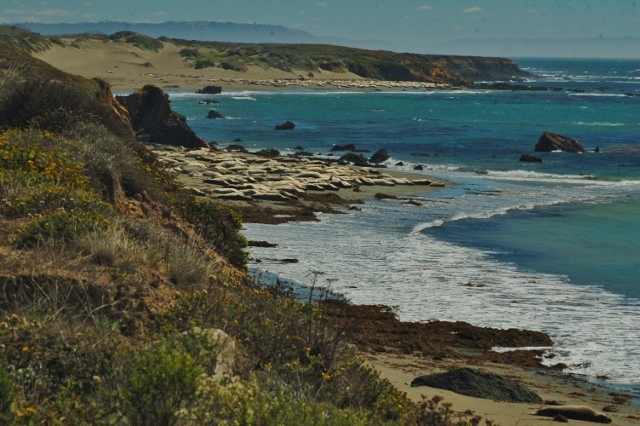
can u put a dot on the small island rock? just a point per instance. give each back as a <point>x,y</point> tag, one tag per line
<point>210,90</point>
<point>214,114</point>
<point>528,158</point>
<point>553,142</point>
<point>286,126</point>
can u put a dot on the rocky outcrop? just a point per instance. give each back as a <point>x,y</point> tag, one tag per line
<point>553,142</point>
<point>347,147</point>
<point>467,381</point>
<point>357,159</point>
<point>528,158</point>
<point>214,114</point>
<point>380,156</point>
<point>210,90</point>
<point>153,120</point>
<point>286,126</point>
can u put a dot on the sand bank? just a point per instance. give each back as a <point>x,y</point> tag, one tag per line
<point>128,68</point>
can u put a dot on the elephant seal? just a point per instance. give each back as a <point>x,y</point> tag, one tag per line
<point>575,412</point>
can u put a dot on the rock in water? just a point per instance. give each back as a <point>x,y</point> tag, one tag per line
<point>151,115</point>
<point>380,156</point>
<point>286,126</point>
<point>553,142</point>
<point>214,114</point>
<point>347,147</point>
<point>528,158</point>
<point>210,90</point>
<point>467,381</point>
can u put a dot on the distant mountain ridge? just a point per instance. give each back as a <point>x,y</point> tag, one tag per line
<point>204,31</point>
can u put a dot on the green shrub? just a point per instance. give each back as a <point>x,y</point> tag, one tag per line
<point>267,402</point>
<point>204,63</point>
<point>218,225</point>
<point>7,393</point>
<point>58,41</point>
<point>157,384</point>
<point>60,226</point>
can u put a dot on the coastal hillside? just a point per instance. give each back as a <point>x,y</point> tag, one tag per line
<point>128,55</point>
<point>126,299</point>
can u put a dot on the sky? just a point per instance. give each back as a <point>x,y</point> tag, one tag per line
<point>401,22</point>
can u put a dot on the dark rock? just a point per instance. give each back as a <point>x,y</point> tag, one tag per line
<point>467,381</point>
<point>553,142</point>
<point>399,163</point>
<point>214,114</point>
<point>347,147</point>
<point>264,244</point>
<point>210,90</point>
<point>356,159</point>
<point>269,152</point>
<point>237,140</point>
<point>151,115</point>
<point>383,196</point>
<point>380,156</point>
<point>238,148</point>
<point>516,87</point>
<point>209,102</point>
<point>299,148</point>
<point>528,158</point>
<point>286,126</point>
<point>418,167</point>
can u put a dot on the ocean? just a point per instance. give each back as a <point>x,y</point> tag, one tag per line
<point>549,246</point>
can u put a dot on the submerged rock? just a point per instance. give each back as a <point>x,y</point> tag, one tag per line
<point>553,142</point>
<point>467,381</point>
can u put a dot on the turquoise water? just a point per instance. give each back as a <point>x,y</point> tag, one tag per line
<point>552,246</point>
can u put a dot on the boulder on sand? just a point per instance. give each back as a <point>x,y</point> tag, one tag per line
<point>467,381</point>
<point>357,159</point>
<point>553,142</point>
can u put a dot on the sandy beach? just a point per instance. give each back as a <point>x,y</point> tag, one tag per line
<point>279,187</point>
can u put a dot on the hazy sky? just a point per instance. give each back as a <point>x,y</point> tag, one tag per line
<point>392,21</point>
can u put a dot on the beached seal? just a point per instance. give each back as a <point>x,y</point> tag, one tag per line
<point>575,412</point>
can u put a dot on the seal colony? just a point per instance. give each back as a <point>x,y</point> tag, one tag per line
<point>249,177</point>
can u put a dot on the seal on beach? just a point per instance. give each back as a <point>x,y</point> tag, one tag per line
<point>574,412</point>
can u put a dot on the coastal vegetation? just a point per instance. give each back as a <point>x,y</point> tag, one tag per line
<point>126,300</point>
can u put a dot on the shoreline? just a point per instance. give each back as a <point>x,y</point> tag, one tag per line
<point>400,367</point>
